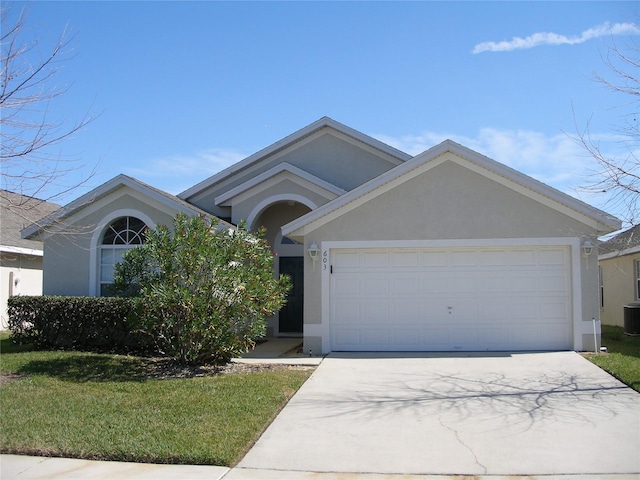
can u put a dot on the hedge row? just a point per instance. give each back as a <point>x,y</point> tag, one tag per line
<point>94,323</point>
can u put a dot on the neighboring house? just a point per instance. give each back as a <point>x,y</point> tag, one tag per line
<point>619,259</point>
<point>20,259</point>
<point>445,251</point>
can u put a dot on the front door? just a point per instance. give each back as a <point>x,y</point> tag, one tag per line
<point>291,313</point>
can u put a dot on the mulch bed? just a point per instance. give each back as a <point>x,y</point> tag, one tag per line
<point>160,368</point>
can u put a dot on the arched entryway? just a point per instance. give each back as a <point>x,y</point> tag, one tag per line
<point>289,261</point>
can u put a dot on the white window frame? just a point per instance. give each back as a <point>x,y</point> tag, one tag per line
<point>96,243</point>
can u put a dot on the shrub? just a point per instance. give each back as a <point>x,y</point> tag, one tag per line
<point>205,291</point>
<point>94,323</point>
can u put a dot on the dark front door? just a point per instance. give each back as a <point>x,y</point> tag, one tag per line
<point>291,313</point>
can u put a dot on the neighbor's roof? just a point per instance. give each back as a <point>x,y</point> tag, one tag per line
<point>16,212</point>
<point>624,243</point>
<point>105,189</point>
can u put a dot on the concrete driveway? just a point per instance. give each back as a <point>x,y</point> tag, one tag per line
<point>472,414</point>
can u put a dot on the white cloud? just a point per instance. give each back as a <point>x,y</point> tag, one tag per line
<point>549,38</point>
<point>176,173</point>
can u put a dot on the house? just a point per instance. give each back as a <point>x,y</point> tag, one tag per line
<point>20,259</point>
<point>445,251</point>
<point>619,260</point>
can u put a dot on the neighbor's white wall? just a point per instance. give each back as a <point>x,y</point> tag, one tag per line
<point>27,276</point>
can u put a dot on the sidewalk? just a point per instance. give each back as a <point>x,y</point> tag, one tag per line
<point>18,467</point>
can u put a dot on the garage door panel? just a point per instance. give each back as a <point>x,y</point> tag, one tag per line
<point>434,284</point>
<point>375,284</point>
<point>466,338</point>
<point>462,284</point>
<point>523,257</point>
<point>557,284</point>
<point>495,337</point>
<point>553,256</point>
<point>406,260</point>
<point>377,338</point>
<point>374,260</point>
<point>437,339</point>
<point>463,258</point>
<point>346,338</point>
<point>409,338</point>
<point>377,313</point>
<point>404,284</point>
<point>346,260</point>
<point>507,298</point>
<point>346,285</point>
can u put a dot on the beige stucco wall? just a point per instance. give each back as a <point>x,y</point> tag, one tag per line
<point>619,281</point>
<point>451,202</point>
<point>27,278</point>
<point>69,256</point>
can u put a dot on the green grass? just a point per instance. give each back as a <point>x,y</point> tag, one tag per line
<point>96,406</point>
<point>623,359</point>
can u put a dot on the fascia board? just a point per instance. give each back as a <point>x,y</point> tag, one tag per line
<point>620,253</point>
<point>222,200</point>
<point>21,251</point>
<point>433,157</point>
<point>286,143</point>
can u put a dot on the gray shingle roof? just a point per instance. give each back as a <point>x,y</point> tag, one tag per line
<point>18,211</point>
<point>628,239</point>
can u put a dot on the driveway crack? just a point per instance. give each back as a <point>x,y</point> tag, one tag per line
<point>462,442</point>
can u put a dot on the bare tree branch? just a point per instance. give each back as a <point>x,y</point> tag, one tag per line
<point>618,175</point>
<point>31,166</point>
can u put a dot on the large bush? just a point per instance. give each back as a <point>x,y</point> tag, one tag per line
<point>76,322</point>
<point>205,291</point>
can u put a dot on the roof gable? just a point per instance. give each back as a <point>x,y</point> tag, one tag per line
<point>325,125</point>
<point>451,151</point>
<point>275,175</point>
<point>88,200</point>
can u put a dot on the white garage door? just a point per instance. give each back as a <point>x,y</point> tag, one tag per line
<point>453,299</point>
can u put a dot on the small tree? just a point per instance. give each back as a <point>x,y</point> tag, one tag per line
<point>206,291</point>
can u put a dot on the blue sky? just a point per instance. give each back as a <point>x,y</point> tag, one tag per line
<point>181,90</point>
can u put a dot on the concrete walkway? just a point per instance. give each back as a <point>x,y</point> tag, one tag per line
<point>422,417</point>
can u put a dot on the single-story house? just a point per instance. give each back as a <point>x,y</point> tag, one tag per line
<point>619,259</point>
<point>20,259</point>
<point>445,251</point>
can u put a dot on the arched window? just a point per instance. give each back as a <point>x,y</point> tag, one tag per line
<point>121,235</point>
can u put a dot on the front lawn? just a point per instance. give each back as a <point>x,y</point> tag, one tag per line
<point>115,407</point>
<point>623,359</point>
